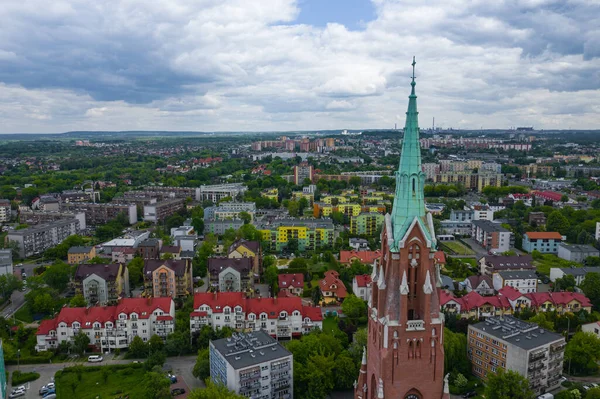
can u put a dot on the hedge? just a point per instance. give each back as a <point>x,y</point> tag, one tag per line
<point>20,378</point>
<point>42,357</point>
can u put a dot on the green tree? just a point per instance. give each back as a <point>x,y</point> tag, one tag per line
<point>213,391</point>
<point>246,217</point>
<point>80,342</point>
<point>136,271</point>
<point>293,208</point>
<point>558,222</point>
<point>156,386</point>
<point>354,307</point>
<point>156,358</point>
<point>593,393</point>
<point>345,372</point>
<point>9,283</point>
<point>155,343</point>
<point>315,379</point>
<point>302,205</point>
<point>566,283</point>
<point>137,348</point>
<point>507,385</point>
<point>542,320</point>
<point>591,288</point>
<point>271,275</point>
<point>78,301</point>
<point>338,217</point>
<point>202,367</point>
<point>582,353</point>
<point>455,353</point>
<point>58,276</point>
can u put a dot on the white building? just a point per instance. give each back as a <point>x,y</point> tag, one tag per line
<point>185,236</point>
<point>593,328</point>
<point>5,212</point>
<point>575,252</point>
<point>361,286</point>
<point>110,327</point>
<point>217,192</point>
<point>578,273</point>
<point>279,317</point>
<point>597,231</point>
<point>37,239</point>
<point>525,281</point>
<point>6,263</point>
<point>253,365</point>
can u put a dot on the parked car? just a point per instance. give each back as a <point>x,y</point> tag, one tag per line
<point>44,390</point>
<point>50,396</point>
<point>470,394</point>
<point>16,394</point>
<point>177,391</point>
<point>49,393</point>
<point>95,359</point>
<point>172,377</point>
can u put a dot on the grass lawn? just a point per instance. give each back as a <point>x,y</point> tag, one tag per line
<point>330,324</point>
<point>128,381</point>
<point>457,247</point>
<point>24,314</point>
<point>547,261</point>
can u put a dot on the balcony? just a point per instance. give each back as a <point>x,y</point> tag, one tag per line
<point>415,325</point>
<point>537,356</point>
<point>557,347</point>
<point>535,367</point>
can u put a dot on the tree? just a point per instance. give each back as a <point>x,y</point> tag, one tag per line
<point>212,391</point>
<point>57,276</point>
<point>155,343</point>
<point>293,208</point>
<point>156,358</point>
<point>246,217</point>
<point>455,352</point>
<point>345,372</point>
<point>593,393</point>
<point>507,385</point>
<point>157,386</point>
<point>354,307</point>
<point>80,342</point>
<point>202,367</point>
<point>78,301</point>
<point>582,353</point>
<point>9,283</point>
<point>354,181</point>
<point>541,319</point>
<point>271,276</point>
<point>138,348</point>
<point>136,271</point>
<point>591,288</point>
<point>178,343</point>
<point>566,283</point>
<point>338,217</point>
<point>558,222</point>
<point>302,205</point>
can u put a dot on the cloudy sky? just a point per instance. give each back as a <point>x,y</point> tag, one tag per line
<point>261,65</point>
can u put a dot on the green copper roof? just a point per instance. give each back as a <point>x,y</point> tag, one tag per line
<point>410,179</point>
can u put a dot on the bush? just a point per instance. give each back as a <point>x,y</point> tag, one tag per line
<point>20,378</point>
<point>40,358</point>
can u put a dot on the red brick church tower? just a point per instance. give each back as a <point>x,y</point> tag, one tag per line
<point>405,354</point>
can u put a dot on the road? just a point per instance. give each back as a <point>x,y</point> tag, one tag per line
<point>181,366</point>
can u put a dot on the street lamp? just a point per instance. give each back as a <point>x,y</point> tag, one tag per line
<point>18,358</point>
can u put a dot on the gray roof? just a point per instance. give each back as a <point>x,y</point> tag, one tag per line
<point>80,250</point>
<point>447,282</point>
<point>247,349</point>
<point>488,226</point>
<point>310,223</point>
<point>578,247</point>
<point>517,274</point>
<point>499,262</point>
<point>580,271</point>
<point>517,332</point>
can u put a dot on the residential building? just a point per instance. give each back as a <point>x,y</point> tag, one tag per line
<point>575,252</point>
<point>131,239</point>
<point>492,236</point>
<point>545,242</point>
<point>37,239</point>
<point>173,251</point>
<point>489,264</point>
<point>250,250</point>
<point>159,211</point>
<point>537,219</point>
<point>109,327</point>
<point>367,257</point>
<point>219,227</point>
<point>512,344</point>
<point>77,255</point>
<point>6,262</point>
<point>332,288</point>
<point>525,281</point>
<point>3,374</point>
<point>271,193</point>
<point>281,318</point>
<point>149,248</point>
<point>597,235</point>
<point>29,217</point>
<point>175,192</point>
<point>185,236</point>
<point>123,254</point>
<point>229,210</point>
<point>593,328</point>
<point>301,172</point>
<point>172,278</point>
<point>456,227</point>
<point>361,286</point>
<point>292,283</point>
<point>309,234</point>
<point>102,284</point>
<point>217,192</point>
<point>481,284</point>
<point>368,224</point>
<point>48,203</point>
<point>97,214</point>
<point>5,211</point>
<point>578,273</point>
<point>252,364</point>
<point>230,274</point>
<point>359,244</point>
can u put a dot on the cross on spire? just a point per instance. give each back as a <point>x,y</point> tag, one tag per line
<point>413,65</point>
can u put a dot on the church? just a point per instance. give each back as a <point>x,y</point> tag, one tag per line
<point>404,357</point>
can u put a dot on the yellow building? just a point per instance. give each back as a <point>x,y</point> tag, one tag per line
<point>296,195</point>
<point>309,234</point>
<point>247,249</point>
<point>271,193</point>
<point>335,198</point>
<point>77,255</point>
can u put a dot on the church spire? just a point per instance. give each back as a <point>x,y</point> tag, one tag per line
<point>410,179</point>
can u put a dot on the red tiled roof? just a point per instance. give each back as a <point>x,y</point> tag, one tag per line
<point>284,294</point>
<point>143,305</point>
<point>362,280</point>
<point>167,317</point>
<point>220,300</point>
<point>312,312</point>
<point>478,279</point>
<point>510,293</point>
<point>198,314</point>
<point>551,195</point>
<point>273,306</point>
<point>172,249</point>
<point>287,280</point>
<point>546,235</point>
<point>331,282</point>
<point>46,326</point>
<point>364,256</point>
<point>440,257</point>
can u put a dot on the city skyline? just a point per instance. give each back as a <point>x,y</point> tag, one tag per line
<point>291,65</point>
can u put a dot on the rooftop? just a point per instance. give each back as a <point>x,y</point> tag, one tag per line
<point>578,247</point>
<point>544,235</point>
<point>80,250</point>
<point>517,274</point>
<point>488,226</point>
<point>580,271</point>
<point>243,350</point>
<point>517,332</point>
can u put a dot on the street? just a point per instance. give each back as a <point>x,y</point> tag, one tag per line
<point>181,366</point>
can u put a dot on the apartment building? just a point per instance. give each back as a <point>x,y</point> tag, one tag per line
<point>512,344</point>
<point>102,284</point>
<point>219,227</point>
<point>229,210</point>
<point>253,365</point>
<point>77,255</point>
<point>490,264</point>
<point>216,192</point>
<point>6,263</point>
<point>578,273</point>
<point>230,274</point>
<point>29,217</point>
<point>492,236</point>
<point>545,242</point>
<point>37,239</point>
<point>301,172</point>
<point>99,214</point>
<point>110,327</point>
<point>525,281</point>
<point>168,278</point>
<point>575,252</point>
<point>308,233</point>
<point>149,248</point>
<point>368,224</point>
<point>5,212</point>
<point>281,318</point>
<point>174,192</point>
<point>185,236</point>
<point>159,211</point>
